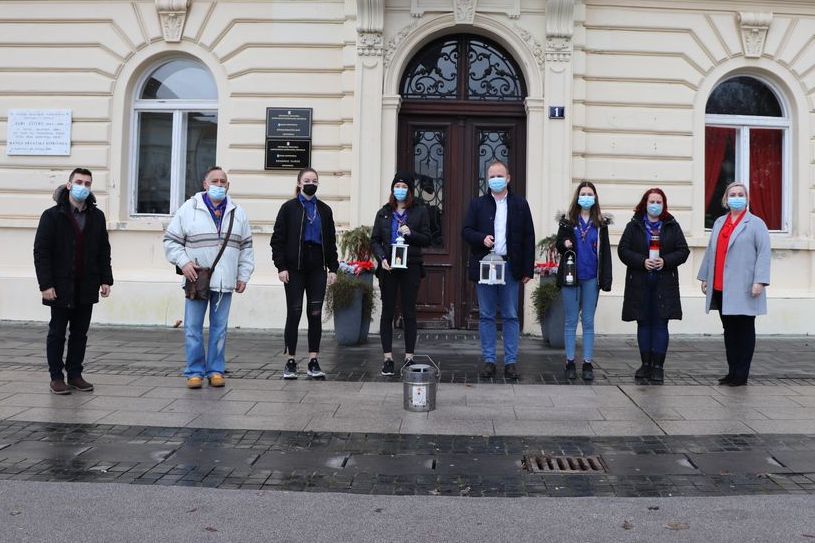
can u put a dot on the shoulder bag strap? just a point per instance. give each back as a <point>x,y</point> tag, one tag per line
<point>226,240</point>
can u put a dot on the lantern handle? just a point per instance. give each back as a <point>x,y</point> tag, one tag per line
<point>432,362</point>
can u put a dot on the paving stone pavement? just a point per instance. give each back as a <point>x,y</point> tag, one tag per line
<point>350,433</point>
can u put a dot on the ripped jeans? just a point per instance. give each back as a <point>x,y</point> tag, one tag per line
<point>200,364</point>
<point>313,283</point>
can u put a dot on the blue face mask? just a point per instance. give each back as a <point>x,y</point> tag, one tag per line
<point>655,210</point>
<point>586,202</point>
<point>80,193</point>
<point>216,193</point>
<point>736,203</point>
<point>400,193</point>
<point>498,184</point>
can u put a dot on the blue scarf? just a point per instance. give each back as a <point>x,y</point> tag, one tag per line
<point>313,231</point>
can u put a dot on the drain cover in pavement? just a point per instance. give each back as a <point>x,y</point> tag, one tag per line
<point>563,464</point>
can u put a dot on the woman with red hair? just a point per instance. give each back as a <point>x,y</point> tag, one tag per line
<point>652,247</point>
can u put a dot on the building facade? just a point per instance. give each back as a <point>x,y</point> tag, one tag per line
<point>629,94</point>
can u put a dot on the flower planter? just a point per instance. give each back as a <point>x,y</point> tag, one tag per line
<point>553,324</point>
<point>350,323</point>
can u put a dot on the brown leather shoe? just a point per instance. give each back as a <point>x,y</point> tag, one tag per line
<point>58,386</point>
<point>80,384</point>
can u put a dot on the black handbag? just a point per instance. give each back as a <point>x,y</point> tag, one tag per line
<point>199,289</point>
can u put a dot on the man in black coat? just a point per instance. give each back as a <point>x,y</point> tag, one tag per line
<point>72,260</point>
<point>500,222</point>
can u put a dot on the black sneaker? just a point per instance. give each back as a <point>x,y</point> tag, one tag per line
<point>511,371</point>
<point>314,370</point>
<point>408,362</point>
<point>570,370</point>
<point>487,371</point>
<point>290,371</point>
<point>387,368</point>
<point>587,372</point>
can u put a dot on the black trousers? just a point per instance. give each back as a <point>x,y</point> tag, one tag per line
<point>739,340</point>
<point>310,280</point>
<point>79,319</point>
<point>404,282</point>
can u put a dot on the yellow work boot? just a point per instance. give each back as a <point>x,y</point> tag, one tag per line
<point>195,382</point>
<point>216,380</point>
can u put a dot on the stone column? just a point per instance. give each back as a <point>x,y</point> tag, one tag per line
<point>558,83</point>
<point>367,143</point>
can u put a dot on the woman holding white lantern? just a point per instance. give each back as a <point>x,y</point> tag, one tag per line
<point>401,228</point>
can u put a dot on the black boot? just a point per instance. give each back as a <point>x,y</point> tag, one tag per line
<point>657,372</point>
<point>644,372</point>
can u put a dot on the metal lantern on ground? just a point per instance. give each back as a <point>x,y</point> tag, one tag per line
<point>492,268</point>
<point>399,253</point>
<point>420,382</point>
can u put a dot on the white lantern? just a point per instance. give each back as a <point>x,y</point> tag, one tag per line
<point>399,253</point>
<point>492,269</point>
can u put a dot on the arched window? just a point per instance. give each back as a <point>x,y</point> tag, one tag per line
<point>175,119</point>
<point>463,67</point>
<point>747,139</point>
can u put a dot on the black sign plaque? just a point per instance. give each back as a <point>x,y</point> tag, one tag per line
<point>287,154</point>
<point>288,123</point>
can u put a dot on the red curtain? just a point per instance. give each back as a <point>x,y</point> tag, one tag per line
<point>765,175</point>
<point>716,142</point>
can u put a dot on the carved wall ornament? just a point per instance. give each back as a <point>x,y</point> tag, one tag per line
<point>370,15</point>
<point>370,44</point>
<point>172,15</point>
<point>533,44</point>
<point>754,27</point>
<point>465,11</point>
<point>560,18</point>
<point>511,8</point>
<point>393,43</point>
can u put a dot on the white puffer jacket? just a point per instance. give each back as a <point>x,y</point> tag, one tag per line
<point>192,236</point>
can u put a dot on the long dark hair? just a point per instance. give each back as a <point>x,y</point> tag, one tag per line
<point>300,175</point>
<point>596,217</point>
<point>642,208</point>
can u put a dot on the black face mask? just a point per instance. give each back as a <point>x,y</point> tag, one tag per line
<point>309,190</point>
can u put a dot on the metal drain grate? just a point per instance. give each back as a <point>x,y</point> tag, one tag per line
<point>563,464</point>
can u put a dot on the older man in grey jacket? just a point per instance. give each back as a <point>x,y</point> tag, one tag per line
<point>734,274</point>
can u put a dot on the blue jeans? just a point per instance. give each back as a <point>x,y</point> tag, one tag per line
<point>200,364</point>
<point>652,331</point>
<point>582,300</point>
<point>503,299</point>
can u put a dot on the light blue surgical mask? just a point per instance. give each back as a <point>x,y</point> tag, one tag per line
<point>736,203</point>
<point>216,193</point>
<point>585,201</point>
<point>655,210</point>
<point>498,184</point>
<point>80,193</point>
<point>400,193</point>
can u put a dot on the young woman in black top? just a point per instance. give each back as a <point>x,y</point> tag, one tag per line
<point>401,216</point>
<point>304,250</point>
<point>652,247</point>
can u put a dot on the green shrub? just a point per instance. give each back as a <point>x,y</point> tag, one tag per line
<point>341,295</point>
<point>544,296</point>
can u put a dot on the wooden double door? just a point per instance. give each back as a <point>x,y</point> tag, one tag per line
<point>449,151</point>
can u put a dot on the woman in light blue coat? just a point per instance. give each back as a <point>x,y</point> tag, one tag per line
<point>734,274</point>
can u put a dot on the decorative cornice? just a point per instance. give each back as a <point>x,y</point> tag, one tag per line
<point>393,43</point>
<point>370,15</point>
<point>369,44</point>
<point>754,27</point>
<point>533,44</point>
<point>172,15</point>
<point>464,11</point>
<point>512,8</point>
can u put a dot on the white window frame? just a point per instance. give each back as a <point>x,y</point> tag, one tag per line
<point>178,152</point>
<point>743,124</point>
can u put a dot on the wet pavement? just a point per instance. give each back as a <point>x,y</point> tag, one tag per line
<point>350,433</point>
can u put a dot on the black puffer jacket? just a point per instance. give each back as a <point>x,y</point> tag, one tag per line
<point>54,253</point>
<point>565,232</point>
<point>289,229</point>
<point>418,221</point>
<point>633,251</point>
